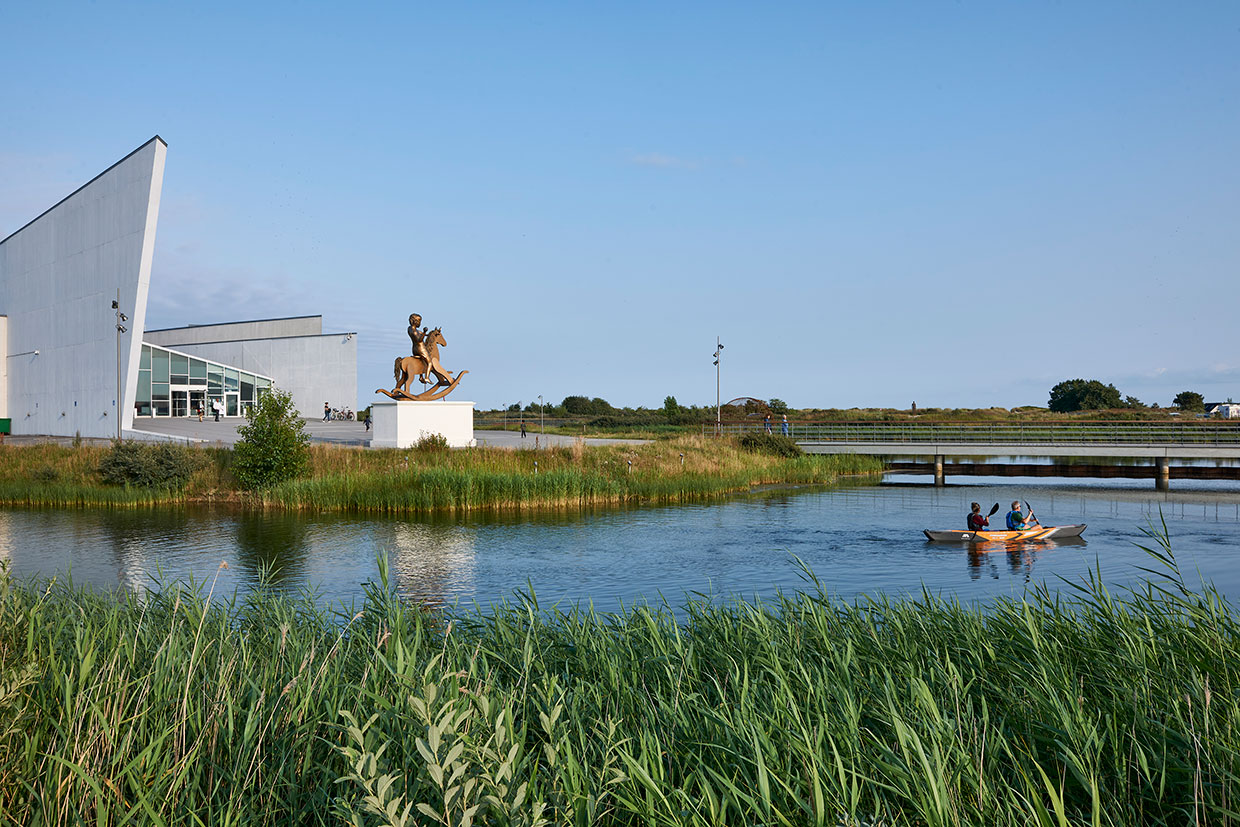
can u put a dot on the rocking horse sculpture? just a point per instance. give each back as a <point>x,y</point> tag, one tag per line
<point>424,363</point>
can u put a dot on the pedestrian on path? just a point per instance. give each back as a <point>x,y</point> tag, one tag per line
<point>766,423</point>
<point>367,420</point>
<point>783,425</point>
<point>523,427</point>
<point>218,407</point>
<point>200,412</point>
<point>327,412</point>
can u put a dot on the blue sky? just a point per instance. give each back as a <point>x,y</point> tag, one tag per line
<point>958,204</point>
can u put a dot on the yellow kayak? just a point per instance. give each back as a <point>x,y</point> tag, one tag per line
<point>1032,533</point>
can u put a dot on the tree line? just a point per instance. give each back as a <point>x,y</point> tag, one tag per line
<point>1092,395</point>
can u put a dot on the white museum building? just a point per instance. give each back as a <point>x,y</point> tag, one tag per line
<point>74,351</point>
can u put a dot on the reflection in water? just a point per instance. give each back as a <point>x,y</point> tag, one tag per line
<point>434,564</point>
<point>272,543</point>
<point>1020,556</point>
<point>6,538</point>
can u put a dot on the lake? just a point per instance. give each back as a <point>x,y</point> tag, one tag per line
<point>857,540</point>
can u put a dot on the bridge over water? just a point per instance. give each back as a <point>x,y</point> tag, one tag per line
<point>1078,449</point>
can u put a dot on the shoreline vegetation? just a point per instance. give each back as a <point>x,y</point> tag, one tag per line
<point>175,708</point>
<point>425,480</point>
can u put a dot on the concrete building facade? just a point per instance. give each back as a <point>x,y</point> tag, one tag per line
<point>59,275</point>
<point>65,353</point>
<point>315,367</point>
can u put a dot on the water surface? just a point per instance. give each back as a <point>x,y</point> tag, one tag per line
<point>857,540</point>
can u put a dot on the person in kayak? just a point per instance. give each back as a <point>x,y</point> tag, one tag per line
<point>977,520</point>
<point>1015,519</point>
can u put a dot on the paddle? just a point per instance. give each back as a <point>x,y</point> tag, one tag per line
<point>993,510</point>
<point>1032,519</point>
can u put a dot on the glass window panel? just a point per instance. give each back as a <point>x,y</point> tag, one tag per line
<point>232,381</point>
<point>180,379</point>
<point>144,361</point>
<point>160,399</point>
<point>159,365</point>
<point>180,363</point>
<point>247,387</point>
<point>215,379</point>
<point>263,384</point>
<point>144,389</point>
<point>197,370</point>
<point>232,404</point>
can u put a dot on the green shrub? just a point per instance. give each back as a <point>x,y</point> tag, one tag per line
<point>45,473</point>
<point>274,444</point>
<point>774,445</point>
<point>150,465</point>
<point>432,442</point>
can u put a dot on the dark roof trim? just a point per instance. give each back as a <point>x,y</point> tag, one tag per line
<point>246,321</point>
<point>84,186</point>
<point>256,339</point>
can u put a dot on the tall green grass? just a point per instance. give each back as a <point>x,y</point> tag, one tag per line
<point>563,477</point>
<point>1083,707</point>
<point>412,481</point>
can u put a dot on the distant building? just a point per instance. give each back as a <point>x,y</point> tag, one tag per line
<point>64,351</point>
<point>1226,410</point>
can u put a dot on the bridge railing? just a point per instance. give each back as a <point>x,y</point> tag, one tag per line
<point>1030,433</point>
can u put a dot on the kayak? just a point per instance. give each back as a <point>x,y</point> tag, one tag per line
<point>1035,533</point>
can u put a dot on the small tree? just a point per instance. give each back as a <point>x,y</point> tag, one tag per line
<point>273,445</point>
<point>1189,401</point>
<point>1083,395</point>
<point>671,408</point>
<point>778,406</point>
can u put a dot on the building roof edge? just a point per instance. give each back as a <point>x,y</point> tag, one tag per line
<point>84,186</point>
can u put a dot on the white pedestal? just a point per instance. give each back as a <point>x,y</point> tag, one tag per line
<point>401,424</point>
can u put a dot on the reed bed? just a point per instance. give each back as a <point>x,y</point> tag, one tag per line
<point>418,481</point>
<point>54,475</point>
<point>570,476</point>
<point>1083,707</point>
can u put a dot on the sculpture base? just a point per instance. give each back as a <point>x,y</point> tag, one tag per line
<point>402,424</point>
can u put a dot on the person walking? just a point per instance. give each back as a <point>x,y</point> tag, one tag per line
<point>523,427</point>
<point>766,423</point>
<point>200,412</point>
<point>783,425</point>
<point>367,420</point>
<point>327,412</point>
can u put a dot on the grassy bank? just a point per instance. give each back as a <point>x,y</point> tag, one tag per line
<point>357,480</point>
<point>1085,709</point>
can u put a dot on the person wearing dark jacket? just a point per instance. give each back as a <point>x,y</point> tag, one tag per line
<point>977,521</point>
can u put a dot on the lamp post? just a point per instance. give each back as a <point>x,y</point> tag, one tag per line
<point>718,408</point>
<point>120,328</point>
<point>541,426</point>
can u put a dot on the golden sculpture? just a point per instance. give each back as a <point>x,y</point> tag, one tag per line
<point>424,363</point>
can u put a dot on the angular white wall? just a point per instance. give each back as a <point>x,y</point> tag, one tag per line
<point>58,277</point>
<point>4,367</point>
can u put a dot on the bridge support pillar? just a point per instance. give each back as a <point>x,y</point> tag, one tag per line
<point>939,478</point>
<point>1163,481</point>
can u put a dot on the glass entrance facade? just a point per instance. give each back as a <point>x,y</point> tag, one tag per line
<point>176,384</point>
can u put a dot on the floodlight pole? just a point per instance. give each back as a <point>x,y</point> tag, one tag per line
<point>120,328</point>
<point>718,407</point>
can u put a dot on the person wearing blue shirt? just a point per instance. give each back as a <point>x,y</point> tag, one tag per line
<point>1015,519</point>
